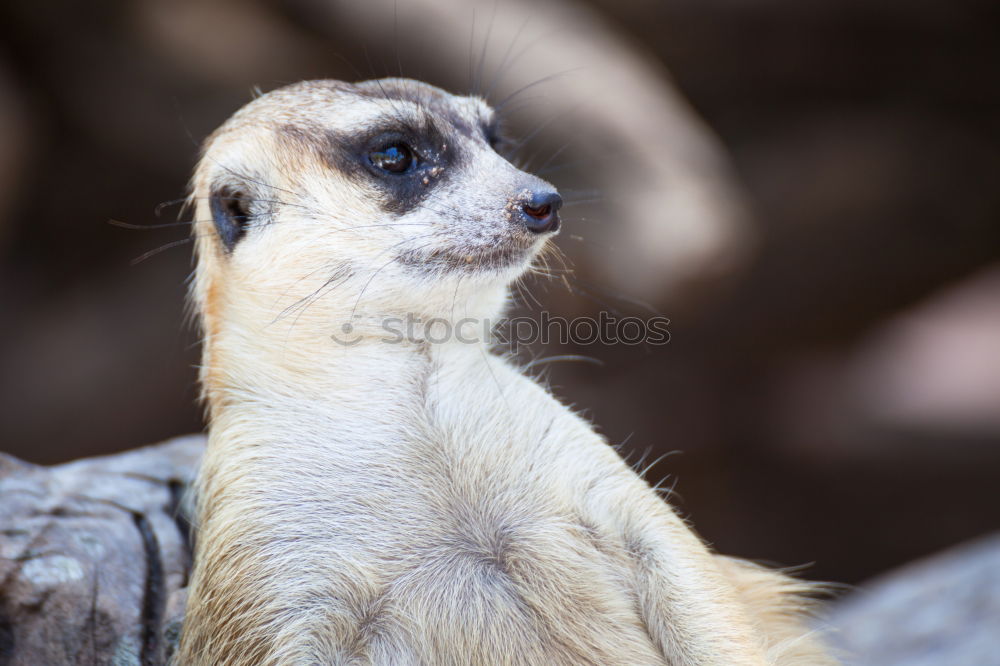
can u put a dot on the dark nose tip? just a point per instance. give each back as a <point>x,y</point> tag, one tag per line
<point>541,212</point>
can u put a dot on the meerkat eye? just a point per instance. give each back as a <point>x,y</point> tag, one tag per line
<point>231,215</point>
<point>491,132</point>
<point>397,158</point>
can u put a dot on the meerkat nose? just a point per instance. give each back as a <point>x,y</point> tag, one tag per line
<point>541,212</point>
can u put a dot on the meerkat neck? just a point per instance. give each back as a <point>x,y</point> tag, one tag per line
<point>366,357</point>
<point>307,349</point>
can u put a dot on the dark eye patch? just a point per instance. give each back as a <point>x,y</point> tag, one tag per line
<point>404,162</point>
<point>230,214</point>
<point>434,152</point>
<point>494,136</point>
<point>385,148</point>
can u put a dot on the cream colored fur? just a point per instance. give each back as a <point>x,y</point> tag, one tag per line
<point>418,503</point>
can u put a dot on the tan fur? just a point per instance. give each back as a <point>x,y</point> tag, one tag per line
<point>419,502</point>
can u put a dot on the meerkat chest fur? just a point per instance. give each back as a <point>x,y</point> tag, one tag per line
<point>373,495</point>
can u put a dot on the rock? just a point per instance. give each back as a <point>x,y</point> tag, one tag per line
<point>941,611</point>
<point>94,555</point>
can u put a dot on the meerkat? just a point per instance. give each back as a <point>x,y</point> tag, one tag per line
<point>402,501</point>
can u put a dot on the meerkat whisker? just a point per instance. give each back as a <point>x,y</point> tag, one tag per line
<point>504,65</point>
<point>499,106</point>
<point>129,225</point>
<point>155,251</point>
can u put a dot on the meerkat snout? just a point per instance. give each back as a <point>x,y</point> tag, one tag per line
<point>541,212</point>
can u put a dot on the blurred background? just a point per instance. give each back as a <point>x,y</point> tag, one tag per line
<point>810,191</point>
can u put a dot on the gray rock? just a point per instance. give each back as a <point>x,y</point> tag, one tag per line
<point>941,611</point>
<point>93,555</point>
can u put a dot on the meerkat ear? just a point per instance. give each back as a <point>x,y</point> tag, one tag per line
<point>231,215</point>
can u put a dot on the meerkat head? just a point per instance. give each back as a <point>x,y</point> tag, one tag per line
<point>386,196</point>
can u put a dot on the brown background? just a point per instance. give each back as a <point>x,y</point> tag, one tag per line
<point>834,400</point>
